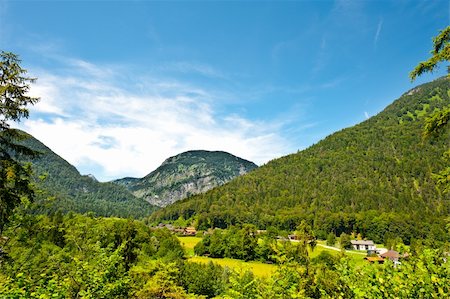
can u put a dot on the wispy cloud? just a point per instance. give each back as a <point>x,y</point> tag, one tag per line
<point>366,115</point>
<point>111,129</point>
<point>377,33</point>
<point>194,67</point>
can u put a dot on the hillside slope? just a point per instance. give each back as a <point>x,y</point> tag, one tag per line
<point>187,174</point>
<point>74,192</point>
<point>373,178</point>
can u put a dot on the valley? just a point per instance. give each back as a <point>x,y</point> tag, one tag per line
<point>362,211</point>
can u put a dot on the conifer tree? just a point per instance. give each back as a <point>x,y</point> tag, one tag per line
<point>14,177</point>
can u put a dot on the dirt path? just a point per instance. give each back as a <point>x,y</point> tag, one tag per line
<point>337,249</point>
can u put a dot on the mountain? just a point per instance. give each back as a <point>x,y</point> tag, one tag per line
<point>79,193</point>
<point>374,178</point>
<point>187,174</point>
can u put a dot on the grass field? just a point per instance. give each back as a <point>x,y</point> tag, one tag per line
<point>258,268</point>
<point>188,244</point>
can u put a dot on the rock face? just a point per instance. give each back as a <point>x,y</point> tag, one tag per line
<point>187,174</point>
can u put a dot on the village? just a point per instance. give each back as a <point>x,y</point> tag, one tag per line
<point>374,254</point>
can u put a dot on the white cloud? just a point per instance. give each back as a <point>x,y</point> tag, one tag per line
<point>366,115</point>
<point>377,33</point>
<point>86,117</point>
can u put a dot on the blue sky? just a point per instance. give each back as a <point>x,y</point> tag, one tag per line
<point>126,84</point>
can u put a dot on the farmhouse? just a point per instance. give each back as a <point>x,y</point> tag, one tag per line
<point>363,245</point>
<point>392,255</point>
<point>189,231</point>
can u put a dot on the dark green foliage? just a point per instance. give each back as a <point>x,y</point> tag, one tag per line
<point>187,174</point>
<point>232,243</point>
<point>74,192</point>
<point>331,239</point>
<point>244,244</point>
<point>208,280</point>
<point>435,124</point>
<point>15,185</point>
<point>426,275</point>
<point>344,241</point>
<point>77,256</point>
<point>373,178</point>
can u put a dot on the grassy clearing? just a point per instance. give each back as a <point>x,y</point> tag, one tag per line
<point>258,268</point>
<point>356,256</point>
<point>188,244</point>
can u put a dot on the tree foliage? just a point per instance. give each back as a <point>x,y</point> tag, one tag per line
<point>436,122</point>
<point>440,53</point>
<point>76,256</point>
<point>15,185</point>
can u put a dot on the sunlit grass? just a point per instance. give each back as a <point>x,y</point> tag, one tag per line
<point>188,244</point>
<point>258,268</point>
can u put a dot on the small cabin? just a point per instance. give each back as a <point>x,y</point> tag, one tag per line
<point>391,255</point>
<point>190,231</point>
<point>363,245</point>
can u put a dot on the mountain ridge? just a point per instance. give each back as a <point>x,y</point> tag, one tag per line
<point>78,193</point>
<point>373,178</point>
<point>185,174</point>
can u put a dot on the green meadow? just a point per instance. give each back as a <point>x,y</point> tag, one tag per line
<point>260,269</point>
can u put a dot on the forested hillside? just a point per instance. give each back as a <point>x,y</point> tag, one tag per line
<point>374,178</point>
<point>73,192</point>
<point>187,174</point>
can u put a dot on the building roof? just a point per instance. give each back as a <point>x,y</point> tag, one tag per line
<point>362,242</point>
<point>390,254</point>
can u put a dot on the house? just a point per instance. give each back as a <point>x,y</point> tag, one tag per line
<point>190,231</point>
<point>391,255</point>
<point>363,245</point>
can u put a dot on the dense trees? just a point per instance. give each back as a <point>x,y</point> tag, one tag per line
<point>243,243</point>
<point>436,123</point>
<point>233,243</point>
<point>75,256</point>
<point>15,185</point>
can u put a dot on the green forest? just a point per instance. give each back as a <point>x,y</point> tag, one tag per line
<point>375,178</point>
<point>75,256</point>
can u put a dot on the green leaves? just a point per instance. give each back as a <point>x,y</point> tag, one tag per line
<point>14,86</point>
<point>440,53</point>
<point>436,122</point>
<point>14,177</point>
